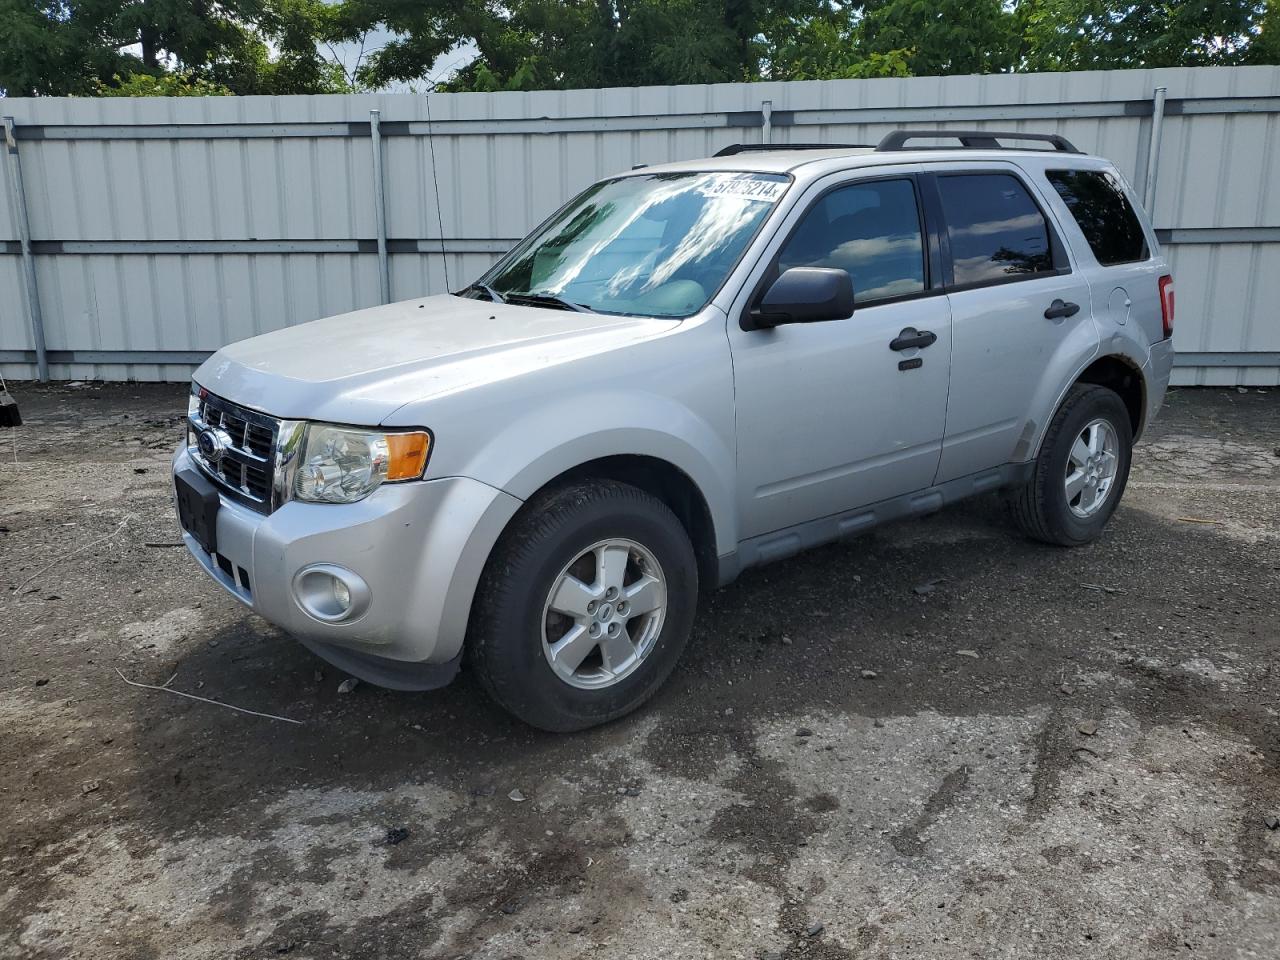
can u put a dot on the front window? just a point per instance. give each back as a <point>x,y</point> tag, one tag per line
<point>653,244</point>
<point>870,230</point>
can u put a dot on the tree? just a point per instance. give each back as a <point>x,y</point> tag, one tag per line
<point>80,47</point>
<point>88,47</point>
<point>161,85</point>
<point>942,37</point>
<point>51,48</point>
<point>422,31</point>
<point>1109,35</point>
<point>1265,47</point>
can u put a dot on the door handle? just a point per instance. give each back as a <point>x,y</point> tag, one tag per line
<point>1061,308</point>
<point>911,337</point>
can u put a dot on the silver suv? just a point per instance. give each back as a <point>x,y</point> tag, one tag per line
<point>687,370</point>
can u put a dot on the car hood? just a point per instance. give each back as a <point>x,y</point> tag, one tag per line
<point>360,367</point>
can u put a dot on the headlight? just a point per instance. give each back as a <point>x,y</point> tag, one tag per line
<point>343,465</point>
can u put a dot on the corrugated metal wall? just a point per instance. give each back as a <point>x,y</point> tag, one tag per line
<point>162,229</point>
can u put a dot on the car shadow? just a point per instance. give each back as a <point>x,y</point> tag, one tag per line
<point>873,627</point>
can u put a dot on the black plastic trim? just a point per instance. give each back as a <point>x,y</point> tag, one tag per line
<point>383,671</point>
<point>733,149</point>
<point>971,140</point>
<point>788,541</point>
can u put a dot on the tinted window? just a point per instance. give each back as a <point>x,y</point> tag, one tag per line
<point>996,230</point>
<point>870,230</point>
<point>1105,216</point>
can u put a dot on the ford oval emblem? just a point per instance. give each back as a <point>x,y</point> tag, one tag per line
<point>211,444</point>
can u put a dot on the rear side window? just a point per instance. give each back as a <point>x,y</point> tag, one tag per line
<point>870,230</point>
<point>995,229</point>
<point>1104,214</point>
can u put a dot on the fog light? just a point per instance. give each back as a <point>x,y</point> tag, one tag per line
<point>341,595</point>
<point>331,593</point>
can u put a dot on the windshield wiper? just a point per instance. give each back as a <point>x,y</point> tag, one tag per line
<point>487,290</point>
<point>545,300</point>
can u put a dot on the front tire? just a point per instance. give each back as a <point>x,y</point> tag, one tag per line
<point>584,607</point>
<point>1081,471</point>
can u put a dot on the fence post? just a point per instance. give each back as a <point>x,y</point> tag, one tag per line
<point>766,117</point>
<point>1153,151</point>
<point>19,197</point>
<point>379,206</point>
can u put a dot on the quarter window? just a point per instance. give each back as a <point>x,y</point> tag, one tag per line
<point>1104,214</point>
<point>995,229</point>
<point>872,231</point>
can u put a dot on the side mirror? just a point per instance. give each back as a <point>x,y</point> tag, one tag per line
<point>805,295</point>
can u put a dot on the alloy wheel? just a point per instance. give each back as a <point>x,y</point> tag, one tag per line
<point>1091,468</point>
<point>604,613</point>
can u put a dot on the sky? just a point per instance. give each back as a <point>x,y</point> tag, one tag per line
<point>348,54</point>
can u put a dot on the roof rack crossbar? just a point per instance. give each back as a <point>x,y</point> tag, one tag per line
<point>971,139</point>
<point>736,148</point>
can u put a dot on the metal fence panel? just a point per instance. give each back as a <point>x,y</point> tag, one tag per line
<point>164,228</point>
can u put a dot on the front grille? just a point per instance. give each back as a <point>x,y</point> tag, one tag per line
<point>245,466</point>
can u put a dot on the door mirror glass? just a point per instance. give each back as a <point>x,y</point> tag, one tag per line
<point>806,295</point>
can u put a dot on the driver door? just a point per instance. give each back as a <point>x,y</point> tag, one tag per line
<point>830,417</point>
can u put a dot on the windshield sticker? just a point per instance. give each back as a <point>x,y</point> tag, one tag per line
<point>746,188</point>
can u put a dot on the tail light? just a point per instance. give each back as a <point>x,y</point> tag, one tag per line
<point>1166,304</point>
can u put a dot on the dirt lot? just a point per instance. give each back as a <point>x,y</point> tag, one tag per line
<point>1066,754</point>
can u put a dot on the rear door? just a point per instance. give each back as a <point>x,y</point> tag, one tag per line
<point>1018,305</point>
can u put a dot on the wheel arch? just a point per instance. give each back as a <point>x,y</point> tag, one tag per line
<point>1118,372</point>
<point>662,479</point>
<point>1124,377</point>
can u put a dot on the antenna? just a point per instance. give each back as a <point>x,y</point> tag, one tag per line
<point>435,182</point>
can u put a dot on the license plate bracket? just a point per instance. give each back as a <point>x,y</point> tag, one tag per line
<point>197,508</point>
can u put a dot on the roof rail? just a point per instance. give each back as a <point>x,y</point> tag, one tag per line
<point>971,139</point>
<point>735,148</point>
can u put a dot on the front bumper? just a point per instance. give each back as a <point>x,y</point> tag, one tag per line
<point>419,546</point>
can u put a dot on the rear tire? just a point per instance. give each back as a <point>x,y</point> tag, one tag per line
<point>1081,472</point>
<point>599,546</point>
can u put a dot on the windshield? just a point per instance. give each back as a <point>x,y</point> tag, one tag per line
<point>655,245</point>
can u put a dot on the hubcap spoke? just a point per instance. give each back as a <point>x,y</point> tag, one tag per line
<point>572,596</point>
<point>1088,497</point>
<point>1095,437</point>
<point>1075,483</point>
<point>644,596</point>
<point>1080,452</point>
<point>617,651</point>
<point>569,652</point>
<point>611,565</point>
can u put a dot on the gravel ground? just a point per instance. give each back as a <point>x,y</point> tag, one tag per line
<point>937,741</point>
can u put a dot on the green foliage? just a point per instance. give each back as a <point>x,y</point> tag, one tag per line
<point>54,49</point>
<point>196,47</point>
<point>161,85</point>
<point>943,37</point>
<point>88,47</point>
<point>1265,47</point>
<point>1109,35</point>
